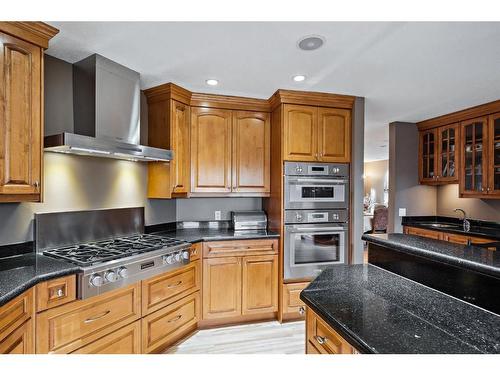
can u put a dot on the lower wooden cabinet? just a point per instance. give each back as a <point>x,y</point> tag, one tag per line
<point>449,237</point>
<point>424,233</point>
<point>322,339</point>
<point>259,286</point>
<point>126,340</point>
<point>67,328</point>
<point>164,327</point>
<point>20,341</point>
<point>16,325</point>
<point>292,306</point>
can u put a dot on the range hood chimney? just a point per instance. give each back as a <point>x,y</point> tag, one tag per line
<point>106,112</point>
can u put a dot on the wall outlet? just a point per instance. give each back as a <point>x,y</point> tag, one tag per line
<point>402,212</point>
<point>217,215</point>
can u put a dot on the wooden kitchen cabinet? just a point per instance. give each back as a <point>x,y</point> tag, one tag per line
<point>449,237</point>
<point>55,292</point>
<point>16,325</point>
<point>493,164</point>
<point>292,305</point>
<point>19,341</point>
<point>322,339</point>
<point>210,150</point>
<point>259,286</point>
<point>251,136</point>
<point>435,235</point>
<point>448,153</point>
<point>316,134</point>
<point>474,146</point>
<point>427,165</point>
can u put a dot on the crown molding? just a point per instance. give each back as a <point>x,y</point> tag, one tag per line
<point>38,33</point>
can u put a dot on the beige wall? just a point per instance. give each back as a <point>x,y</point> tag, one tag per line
<point>376,179</point>
<point>482,209</point>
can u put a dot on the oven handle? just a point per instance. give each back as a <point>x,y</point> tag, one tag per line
<point>320,229</point>
<point>295,180</point>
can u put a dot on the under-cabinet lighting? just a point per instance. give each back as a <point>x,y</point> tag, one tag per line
<point>90,150</point>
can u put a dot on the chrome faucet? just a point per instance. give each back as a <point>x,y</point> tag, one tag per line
<point>466,222</point>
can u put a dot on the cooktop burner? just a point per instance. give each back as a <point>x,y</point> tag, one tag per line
<point>101,251</point>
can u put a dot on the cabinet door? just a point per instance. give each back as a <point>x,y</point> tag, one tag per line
<point>494,159</point>
<point>20,119</point>
<point>179,120</point>
<point>251,149</point>
<point>334,135</point>
<point>427,156</point>
<point>260,284</point>
<point>20,341</point>
<point>448,151</point>
<point>473,171</point>
<point>300,133</point>
<point>221,287</point>
<point>210,150</point>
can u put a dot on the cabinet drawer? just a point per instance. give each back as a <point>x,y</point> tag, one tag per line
<point>323,338</point>
<point>69,327</point>
<point>56,292</point>
<point>15,313</point>
<point>239,248</point>
<point>160,291</point>
<point>163,327</point>
<point>20,341</point>
<point>291,299</point>
<point>424,233</point>
<point>126,340</point>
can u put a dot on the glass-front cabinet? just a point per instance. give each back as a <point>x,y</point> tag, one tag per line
<point>447,153</point>
<point>427,151</point>
<point>494,154</point>
<point>474,146</point>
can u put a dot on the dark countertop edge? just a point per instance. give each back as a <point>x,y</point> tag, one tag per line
<point>205,238</point>
<point>450,260</point>
<point>16,292</point>
<point>346,334</point>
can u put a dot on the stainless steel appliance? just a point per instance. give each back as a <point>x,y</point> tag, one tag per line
<point>115,252</point>
<point>316,218</point>
<point>106,97</point>
<point>249,220</point>
<point>316,185</point>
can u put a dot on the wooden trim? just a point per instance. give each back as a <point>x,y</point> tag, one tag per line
<point>462,115</point>
<point>229,102</point>
<point>217,249</point>
<point>312,98</point>
<point>168,91</point>
<point>38,33</point>
<point>236,320</point>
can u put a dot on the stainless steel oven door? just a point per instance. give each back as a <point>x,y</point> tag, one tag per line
<point>310,248</point>
<point>314,192</point>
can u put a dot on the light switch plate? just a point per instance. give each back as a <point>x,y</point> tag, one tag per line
<point>217,215</point>
<point>402,212</point>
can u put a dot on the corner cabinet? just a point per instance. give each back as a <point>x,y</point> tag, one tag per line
<point>316,134</point>
<point>21,109</point>
<point>230,152</point>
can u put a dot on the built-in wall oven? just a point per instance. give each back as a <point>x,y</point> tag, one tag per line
<point>316,218</point>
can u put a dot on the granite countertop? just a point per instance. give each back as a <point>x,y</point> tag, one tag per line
<point>21,272</point>
<point>380,312</point>
<point>463,256</point>
<point>194,235</point>
<point>479,228</point>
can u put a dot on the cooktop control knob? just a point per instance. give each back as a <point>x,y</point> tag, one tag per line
<point>185,255</point>
<point>96,280</point>
<point>122,272</point>
<point>299,217</point>
<point>298,169</point>
<point>170,259</point>
<point>110,276</point>
<point>178,257</point>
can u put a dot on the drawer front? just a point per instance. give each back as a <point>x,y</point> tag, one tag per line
<point>163,327</point>
<point>19,341</point>
<point>56,292</point>
<point>126,340</point>
<point>239,248</point>
<point>195,251</point>
<point>162,290</point>
<point>424,233</point>
<point>69,327</point>
<point>323,338</point>
<point>15,313</point>
<point>291,298</point>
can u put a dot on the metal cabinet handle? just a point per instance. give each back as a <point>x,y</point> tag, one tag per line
<point>59,293</point>
<point>302,310</point>
<point>321,340</point>
<point>90,320</point>
<point>174,285</point>
<point>36,184</point>
<point>175,319</point>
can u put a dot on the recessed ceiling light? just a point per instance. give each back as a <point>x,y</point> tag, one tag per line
<point>311,42</point>
<point>212,82</point>
<point>299,78</point>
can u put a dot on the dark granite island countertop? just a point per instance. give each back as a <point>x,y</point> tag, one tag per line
<point>380,312</point>
<point>194,235</point>
<point>19,273</point>
<point>462,256</point>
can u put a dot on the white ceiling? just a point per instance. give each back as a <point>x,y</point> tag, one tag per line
<point>406,71</point>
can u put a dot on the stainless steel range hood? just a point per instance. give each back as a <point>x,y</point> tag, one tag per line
<point>106,112</point>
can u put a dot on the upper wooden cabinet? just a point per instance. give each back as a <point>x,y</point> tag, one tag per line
<point>21,109</point>
<point>494,155</point>
<point>169,128</point>
<point>474,146</point>
<point>210,150</point>
<point>316,134</point>
<point>251,149</point>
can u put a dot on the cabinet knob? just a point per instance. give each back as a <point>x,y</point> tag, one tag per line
<point>59,293</point>
<point>321,340</point>
<point>302,310</point>
<point>36,184</point>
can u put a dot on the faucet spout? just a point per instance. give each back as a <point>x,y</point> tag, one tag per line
<point>466,223</point>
